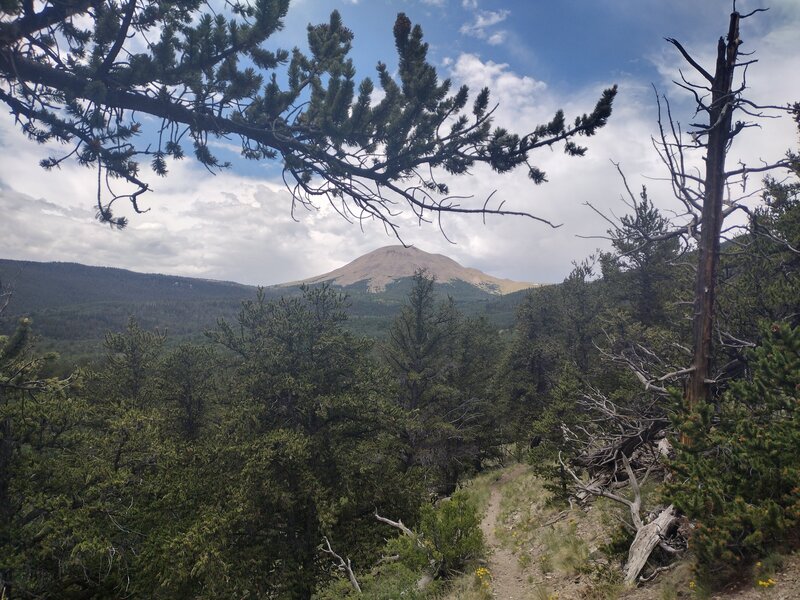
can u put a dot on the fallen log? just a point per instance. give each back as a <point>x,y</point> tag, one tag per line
<point>648,535</point>
<point>647,538</point>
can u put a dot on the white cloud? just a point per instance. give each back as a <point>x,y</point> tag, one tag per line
<point>469,4</point>
<point>514,92</point>
<point>240,228</point>
<point>497,38</point>
<point>483,21</point>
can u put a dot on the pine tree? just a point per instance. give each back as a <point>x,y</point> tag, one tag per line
<point>39,471</point>
<point>77,72</point>
<point>313,445</point>
<point>644,252</point>
<point>740,477</point>
<point>438,359</point>
<point>762,269</point>
<point>189,385</point>
<point>421,343</point>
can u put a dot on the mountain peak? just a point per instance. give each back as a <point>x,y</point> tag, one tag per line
<point>390,263</point>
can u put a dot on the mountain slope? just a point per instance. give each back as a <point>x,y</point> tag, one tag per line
<point>38,286</point>
<point>73,306</point>
<point>391,263</point>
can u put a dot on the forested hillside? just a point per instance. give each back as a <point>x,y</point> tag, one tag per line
<point>309,433</point>
<point>74,306</point>
<point>40,286</point>
<point>631,432</point>
<point>248,463</point>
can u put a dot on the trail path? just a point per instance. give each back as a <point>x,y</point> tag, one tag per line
<point>508,580</point>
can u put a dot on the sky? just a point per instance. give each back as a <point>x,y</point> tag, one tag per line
<point>535,56</point>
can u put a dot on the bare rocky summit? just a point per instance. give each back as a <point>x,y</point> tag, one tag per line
<point>388,264</point>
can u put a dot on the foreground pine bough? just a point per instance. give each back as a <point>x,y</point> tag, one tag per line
<point>80,72</point>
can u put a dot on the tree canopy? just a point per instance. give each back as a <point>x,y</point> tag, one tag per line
<point>87,73</point>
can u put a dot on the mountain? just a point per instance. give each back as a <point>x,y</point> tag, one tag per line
<point>73,306</point>
<point>37,286</point>
<point>392,263</point>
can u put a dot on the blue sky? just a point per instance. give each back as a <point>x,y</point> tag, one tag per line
<point>536,56</point>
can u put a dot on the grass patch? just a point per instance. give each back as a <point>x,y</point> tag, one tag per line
<point>678,583</point>
<point>523,510</point>
<point>387,582</point>
<point>540,592</point>
<point>471,586</point>
<point>567,551</point>
<point>479,488</point>
<point>765,571</point>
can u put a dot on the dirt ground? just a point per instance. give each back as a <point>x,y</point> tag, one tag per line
<point>508,579</point>
<point>517,579</point>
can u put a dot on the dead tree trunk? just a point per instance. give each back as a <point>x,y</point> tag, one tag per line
<point>719,135</point>
<point>708,197</point>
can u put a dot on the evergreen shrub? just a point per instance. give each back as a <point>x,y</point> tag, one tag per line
<point>737,474</point>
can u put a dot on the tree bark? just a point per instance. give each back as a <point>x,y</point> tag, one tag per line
<point>719,135</point>
<point>647,538</point>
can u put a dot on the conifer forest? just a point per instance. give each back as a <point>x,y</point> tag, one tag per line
<point>630,432</point>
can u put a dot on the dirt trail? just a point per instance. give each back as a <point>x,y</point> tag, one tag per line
<point>508,580</point>
<point>511,582</point>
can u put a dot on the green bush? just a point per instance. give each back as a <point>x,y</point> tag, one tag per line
<point>740,475</point>
<point>453,528</point>
<point>389,581</point>
<point>449,537</point>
